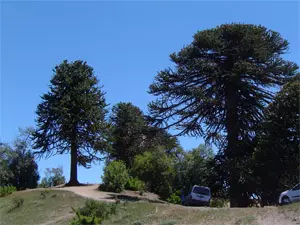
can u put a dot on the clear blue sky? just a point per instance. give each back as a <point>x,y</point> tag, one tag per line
<point>125,42</point>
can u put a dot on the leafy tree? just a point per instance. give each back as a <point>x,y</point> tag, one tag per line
<point>193,169</point>
<point>277,157</point>
<point>156,170</point>
<point>17,165</point>
<point>71,116</point>
<point>115,177</point>
<point>220,86</point>
<point>53,177</point>
<point>5,159</point>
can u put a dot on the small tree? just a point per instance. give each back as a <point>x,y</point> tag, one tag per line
<point>115,176</point>
<point>71,117</point>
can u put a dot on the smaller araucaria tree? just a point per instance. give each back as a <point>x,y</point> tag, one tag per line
<point>71,116</point>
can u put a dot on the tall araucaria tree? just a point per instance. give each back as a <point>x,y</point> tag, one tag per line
<point>71,116</point>
<point>220,86</point>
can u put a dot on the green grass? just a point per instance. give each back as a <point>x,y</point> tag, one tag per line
<point>55,208</point>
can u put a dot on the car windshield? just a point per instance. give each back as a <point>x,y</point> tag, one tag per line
<point>297,187</point>
<point>201,190</point>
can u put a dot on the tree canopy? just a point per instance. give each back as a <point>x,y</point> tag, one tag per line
<point>71,116</point>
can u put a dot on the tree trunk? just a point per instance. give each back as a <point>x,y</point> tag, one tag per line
<point>232,141</point>
<point>73,170</point>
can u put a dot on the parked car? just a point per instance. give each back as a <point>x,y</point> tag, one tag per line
<point>290,196</point>
<point>198,196</point>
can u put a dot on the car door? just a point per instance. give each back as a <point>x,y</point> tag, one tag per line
<point>295,193</point>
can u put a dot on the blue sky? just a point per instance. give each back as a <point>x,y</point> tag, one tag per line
<point>126,43</point>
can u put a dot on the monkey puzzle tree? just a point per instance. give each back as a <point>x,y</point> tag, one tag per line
<point>220,86</point>
<point>71,116</point>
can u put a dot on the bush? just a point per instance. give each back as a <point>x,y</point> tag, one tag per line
<point>156,170</point>
<point>218,202</point>
<point>174,198</point>
<point>115,177</point>
<point>135,184</point>
<point>93,212</point>
<point>7,190</point>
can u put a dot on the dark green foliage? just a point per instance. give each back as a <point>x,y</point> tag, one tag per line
<point>220,87</point>
<point>17,202</point>
<point>7,190</point>
<point>174,198</point>
<point>132,135</point>
<point>277,156</point>
<point>156,170</point>
<point>71,116</point>
<point>128,128</point>
<point>53,177</point>
<point>17,164</point>
<point>135,184</point>
<point>93,212</point>
<point>115,177</point>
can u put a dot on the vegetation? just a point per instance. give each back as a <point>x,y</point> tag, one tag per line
<point>220,87</point>
<point>93,212</point>
<point>7,190</point>
<point>71,117</point>
<point>37,210</point>
<point>174,198</point>
<point>115,177</point>
<point>58,211</point>
<point>223,88</point>
<point>53,177</point>
<point>135,184</point>
<point>128,127</point>
<point>17,164</point>
<point>277,156</point>
<point>156,170</point>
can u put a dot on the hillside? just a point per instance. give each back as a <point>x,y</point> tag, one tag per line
<point>55,208</point>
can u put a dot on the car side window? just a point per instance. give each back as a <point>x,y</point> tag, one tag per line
<point>296,188</point>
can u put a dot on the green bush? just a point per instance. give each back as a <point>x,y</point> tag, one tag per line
<point>135,184</point>
<point>218,202</point>
<point>93,212</point>
<point>7,190</point>
<point>156,170</point>
<point>174,198</point>
<point>115,177</point>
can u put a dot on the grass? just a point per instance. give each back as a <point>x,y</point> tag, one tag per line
<point>54,207</point>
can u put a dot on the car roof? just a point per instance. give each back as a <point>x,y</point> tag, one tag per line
<point>201,187</point>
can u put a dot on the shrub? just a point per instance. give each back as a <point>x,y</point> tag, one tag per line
<point>218,202</point>
<point>174,198</point>
<point>135,184</point>
<point>7,190</point>
<point>115,177</point>
<point>93,212</point>
<point>156,170</point>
